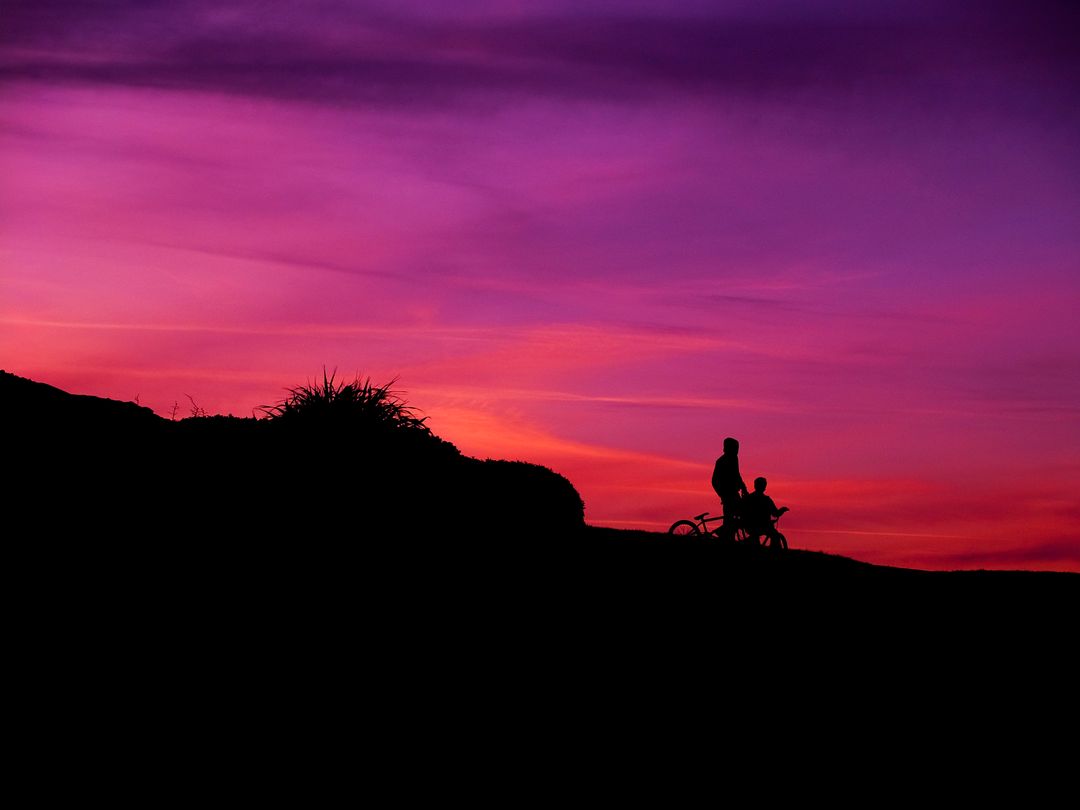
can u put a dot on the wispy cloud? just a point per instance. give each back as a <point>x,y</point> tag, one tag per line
<point>361,53</point>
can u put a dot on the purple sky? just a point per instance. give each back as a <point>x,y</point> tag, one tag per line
<point>600,236</point>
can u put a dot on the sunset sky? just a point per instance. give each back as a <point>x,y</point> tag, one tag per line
<point>600,236</point>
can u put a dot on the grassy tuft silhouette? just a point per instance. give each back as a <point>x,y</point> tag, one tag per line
<point>359,403</point>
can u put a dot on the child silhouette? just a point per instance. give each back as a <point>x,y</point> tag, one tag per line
<point>758,510</point>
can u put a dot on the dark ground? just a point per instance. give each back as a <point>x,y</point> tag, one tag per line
<point>223,514</point>
<point>215,596</point>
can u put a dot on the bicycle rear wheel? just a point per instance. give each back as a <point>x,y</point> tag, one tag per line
<point>684,528</point>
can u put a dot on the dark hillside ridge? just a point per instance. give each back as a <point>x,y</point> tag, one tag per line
<point>324,504</point>
<point>32,404</point>
<point>98,463</point>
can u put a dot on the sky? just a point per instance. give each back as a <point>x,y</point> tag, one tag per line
<point>600,236</point>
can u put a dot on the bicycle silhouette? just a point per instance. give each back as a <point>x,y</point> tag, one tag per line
<point>699,527</point>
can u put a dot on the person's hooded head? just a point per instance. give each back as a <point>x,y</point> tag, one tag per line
<point>731,446</point>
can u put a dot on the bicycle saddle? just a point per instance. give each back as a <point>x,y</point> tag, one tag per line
<point>701,516</point>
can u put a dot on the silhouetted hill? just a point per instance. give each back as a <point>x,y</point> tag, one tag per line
<point>315,476</point>
<point>330,502</point>
<point>37,406</point>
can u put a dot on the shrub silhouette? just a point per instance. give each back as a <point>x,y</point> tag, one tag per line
<point>358,404</point>
<point>388,465</point>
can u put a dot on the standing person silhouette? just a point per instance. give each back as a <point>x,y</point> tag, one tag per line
<point>728,484</point>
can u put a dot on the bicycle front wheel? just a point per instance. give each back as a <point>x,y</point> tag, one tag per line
<point>684,528</point>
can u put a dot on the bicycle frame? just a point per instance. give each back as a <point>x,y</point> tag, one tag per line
<point>702,521</point>
<point>718,519</point>
<point>703,526</point>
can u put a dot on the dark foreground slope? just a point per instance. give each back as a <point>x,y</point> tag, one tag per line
<point>653,554</point>
<point>277,597</point>
<point>329,508</point>
<point>84,464</point>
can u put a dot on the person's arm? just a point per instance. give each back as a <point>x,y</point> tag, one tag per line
<point>738,476</point>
